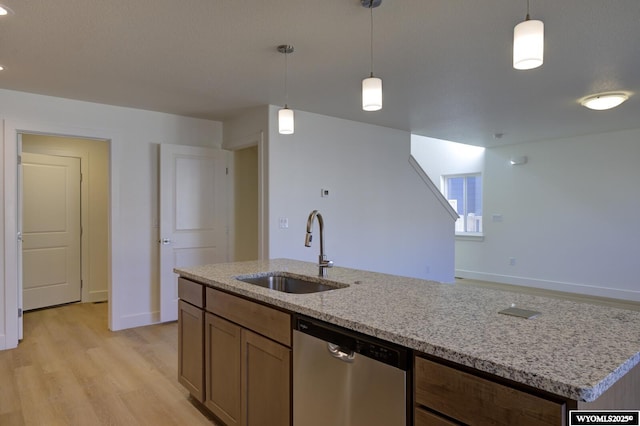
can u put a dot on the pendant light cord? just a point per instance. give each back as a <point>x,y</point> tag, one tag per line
<point>528,17</point>
<point>371,9</point>
<point>286,69</point>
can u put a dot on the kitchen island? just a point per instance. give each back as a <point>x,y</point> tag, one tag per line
<point>571,350</point>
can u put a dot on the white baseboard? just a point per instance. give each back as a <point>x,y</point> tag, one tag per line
<point>136,320</point>
<point>577,288</point>
<point>98,296</point>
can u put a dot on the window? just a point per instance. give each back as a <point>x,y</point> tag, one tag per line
<point>464,193</point>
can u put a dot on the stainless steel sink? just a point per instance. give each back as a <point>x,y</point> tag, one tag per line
<point>290,284</point>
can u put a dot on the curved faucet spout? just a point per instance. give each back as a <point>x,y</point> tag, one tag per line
<point>323,262</point>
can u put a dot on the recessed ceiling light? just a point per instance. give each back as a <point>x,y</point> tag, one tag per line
<point>602,101</point>
<point>1,68</point>
<point>4,10</point>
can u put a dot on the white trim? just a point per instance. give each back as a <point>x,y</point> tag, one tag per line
<point>139,320</point>
<point>469,236</point>
<point>263,198</point>
<point>427,180</point>
<point>97,296</point>
<point>614,293</point>
<point>10,162</point>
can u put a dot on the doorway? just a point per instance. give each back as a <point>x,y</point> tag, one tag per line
<point>51,272</point>
<point>246,204</point>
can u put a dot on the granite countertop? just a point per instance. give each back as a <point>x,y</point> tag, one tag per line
<point>576,350</point>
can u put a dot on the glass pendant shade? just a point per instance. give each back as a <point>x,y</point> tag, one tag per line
<point>528,44</point>
<point>372,94</point>
<point>285,121</point>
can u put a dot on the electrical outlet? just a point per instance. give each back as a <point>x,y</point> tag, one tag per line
<point>512,261</point>
<point>324,193</point>
<point>283,222</point>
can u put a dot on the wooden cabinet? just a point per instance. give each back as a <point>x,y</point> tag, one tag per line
<point>223,347</point>
<point>190,337</point>
<point>474,400</point>
<point>247,361</point>
<point>265,372</point>
<point>427,418</point>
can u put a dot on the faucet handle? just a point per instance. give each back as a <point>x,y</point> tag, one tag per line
<point>326,263</point>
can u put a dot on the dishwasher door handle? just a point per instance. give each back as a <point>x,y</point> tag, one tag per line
<point>338,353</point>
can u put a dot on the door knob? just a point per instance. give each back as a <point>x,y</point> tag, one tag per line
<point>165,241</point>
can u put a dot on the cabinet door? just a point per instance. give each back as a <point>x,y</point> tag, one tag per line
<point>266,381</point>
<point>222,368</point>
<point>190,349</point>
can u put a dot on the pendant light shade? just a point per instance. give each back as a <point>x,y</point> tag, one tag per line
<point>372,93</point>
<point>285,121</point>
<point>285,115</point>
<point>371,86</point>
<point>528,43</point>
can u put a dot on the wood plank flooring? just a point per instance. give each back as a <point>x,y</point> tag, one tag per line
<point>71,370</point>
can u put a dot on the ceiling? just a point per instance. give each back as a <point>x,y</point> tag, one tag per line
<point>446,64</point>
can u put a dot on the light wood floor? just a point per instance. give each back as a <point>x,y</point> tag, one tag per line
<point>71,370</point>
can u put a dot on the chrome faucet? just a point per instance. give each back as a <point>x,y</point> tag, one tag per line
<point>323,262</point>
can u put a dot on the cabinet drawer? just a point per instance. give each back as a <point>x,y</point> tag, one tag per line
<point>426,418</point>
<point>191,292</point>
<point>269,322</point>
<point>475,400</point>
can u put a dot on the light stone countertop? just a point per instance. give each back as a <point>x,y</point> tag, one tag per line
<point>576,350</point>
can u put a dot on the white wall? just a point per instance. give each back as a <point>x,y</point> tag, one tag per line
<point>570,216</point>
<point>379,215</point>
<point>135,135</point>
<point>440,158</point>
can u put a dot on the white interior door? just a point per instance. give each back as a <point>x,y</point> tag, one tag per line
<point>51,231</point>
<point>193,215</point>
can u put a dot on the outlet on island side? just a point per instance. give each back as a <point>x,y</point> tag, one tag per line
<point>512,261</point>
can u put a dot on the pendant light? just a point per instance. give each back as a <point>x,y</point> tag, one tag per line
<point>371,86</point>
<point>528,43</point>
<point>285,115</point>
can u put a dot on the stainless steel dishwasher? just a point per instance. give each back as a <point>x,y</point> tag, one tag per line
<point>344,378</point>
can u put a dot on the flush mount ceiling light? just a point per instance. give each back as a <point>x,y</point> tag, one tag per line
<point>528,43</point>
<point>4,10</point>
<point>602,101</point>
<point>285,115</point>
<point>517,161</point>
<point>371,86</point>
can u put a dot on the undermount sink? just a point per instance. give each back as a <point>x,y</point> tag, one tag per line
<point>289,284</point>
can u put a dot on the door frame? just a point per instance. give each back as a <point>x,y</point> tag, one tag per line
<point>10,176</point>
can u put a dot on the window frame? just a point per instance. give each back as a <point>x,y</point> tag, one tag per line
<point>445,187</point>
